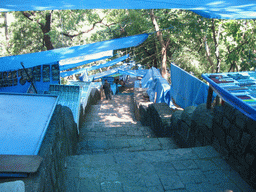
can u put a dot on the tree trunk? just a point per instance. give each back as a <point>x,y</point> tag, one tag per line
<point>208,55</point>
<point>216,42</point>
<point>5,27</point>
<point>155,62</point>
<point>163,45</point>
<point>46,29</point>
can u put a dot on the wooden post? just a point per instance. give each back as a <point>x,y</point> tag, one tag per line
<point>209,98</point>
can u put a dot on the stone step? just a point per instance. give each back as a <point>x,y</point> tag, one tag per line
<point>117,100</point>
<point>108,118</point>
<point>127,131</point>
<point>185,169</point>
<point>106,124</point>
<point>110,109</point>
<point>116,145</point>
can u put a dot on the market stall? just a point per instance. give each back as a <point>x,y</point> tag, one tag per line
<point>236,88</point>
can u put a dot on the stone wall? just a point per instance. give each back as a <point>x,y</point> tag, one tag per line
<point>94,97</point>
<point>155,115</point>
<point>160,114</point>
<point>60,141</point>
<point>141,103</point>
<point>228,130</point>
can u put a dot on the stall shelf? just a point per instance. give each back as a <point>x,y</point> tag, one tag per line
<point>236,88</point>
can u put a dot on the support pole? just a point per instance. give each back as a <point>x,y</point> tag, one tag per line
<point>209,98</point>
<point>30,79</point>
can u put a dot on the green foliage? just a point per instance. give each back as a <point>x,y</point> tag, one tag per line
<point>186,33</point>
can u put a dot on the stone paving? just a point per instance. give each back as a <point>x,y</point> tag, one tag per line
<point>118,154</point>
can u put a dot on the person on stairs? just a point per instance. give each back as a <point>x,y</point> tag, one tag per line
<point>107,89</point>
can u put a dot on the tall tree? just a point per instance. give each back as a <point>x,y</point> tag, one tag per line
<point>164,44</point>
<point>183,37</point>
<point>45,25</point>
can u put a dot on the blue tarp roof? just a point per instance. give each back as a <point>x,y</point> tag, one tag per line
<point>83,62</point>
<point>109,72</point>
<point>224,9</point>
<point>46,57</point>
<point>110,63</point>
<point>140,72</point>
<point>70,66</point>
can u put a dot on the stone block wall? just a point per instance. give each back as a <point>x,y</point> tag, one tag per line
<point>141,102</point>
<point>60,141</point>
<point>94,97</point>
<point>160,115</point>
<point>228,130</point>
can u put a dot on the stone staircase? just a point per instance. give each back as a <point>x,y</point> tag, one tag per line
<point>110,127</point>
<point>116,153</point>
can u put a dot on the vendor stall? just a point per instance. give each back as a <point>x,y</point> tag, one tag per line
<point>236,88</point>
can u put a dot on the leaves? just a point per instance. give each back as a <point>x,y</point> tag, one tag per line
<point>186,33</point>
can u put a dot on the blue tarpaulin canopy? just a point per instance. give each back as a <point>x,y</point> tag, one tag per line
<point>134,73</point>
<point>46,57</point>
<point>110,72</point>
<point>157,86</point>
<point>186,89</point>
<point>224,9</point>
<point>108,64</point>
<point>70,66</point>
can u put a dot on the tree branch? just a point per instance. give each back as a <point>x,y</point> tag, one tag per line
<point>28,16</point>
<point>87,31</point>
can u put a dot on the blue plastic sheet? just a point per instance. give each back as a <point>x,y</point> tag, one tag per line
<point>225,9</point>
<point>163,91</point>
<point>55,55</point>
<point>104,74</point>
<point>134,73</point>
<point>108,64</point>
<point>110,72</point>
<point>147,79</point>
<point>84,77</point>
<point>151,74</point>
<point>137,84</point>
<point>187,90</point>
<point>74,72</point>
<point>158,88</point>
<point>70,66</point>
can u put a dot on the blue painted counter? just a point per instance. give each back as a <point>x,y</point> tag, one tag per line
<point>236,88</point>
<point>24,120</point>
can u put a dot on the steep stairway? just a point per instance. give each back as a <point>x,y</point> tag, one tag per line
<point>116,153</point>
<point>110,127</point>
